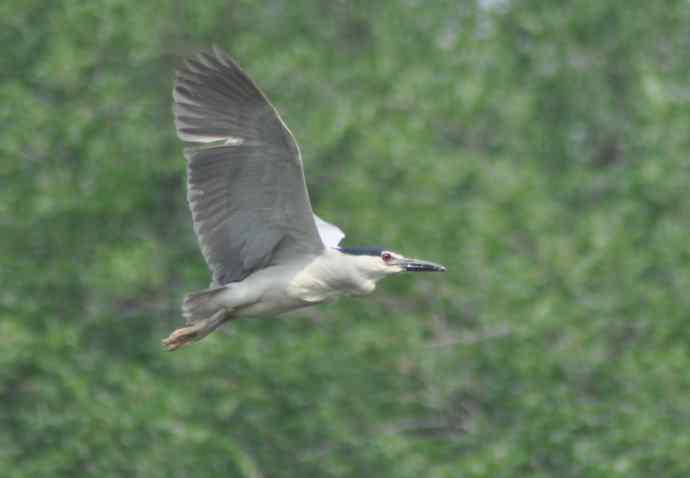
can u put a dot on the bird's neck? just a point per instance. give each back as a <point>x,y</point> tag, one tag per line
<point>347,272</point>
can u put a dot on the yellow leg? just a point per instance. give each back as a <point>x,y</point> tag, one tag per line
<point>197,331</point>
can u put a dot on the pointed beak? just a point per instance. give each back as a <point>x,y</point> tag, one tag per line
<point>415,265</point>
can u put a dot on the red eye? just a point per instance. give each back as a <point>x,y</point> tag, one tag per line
<point>387,257</point>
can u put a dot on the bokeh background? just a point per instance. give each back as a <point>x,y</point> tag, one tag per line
<point>539,149</point>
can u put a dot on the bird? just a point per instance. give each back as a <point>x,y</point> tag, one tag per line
<point>267,251</point>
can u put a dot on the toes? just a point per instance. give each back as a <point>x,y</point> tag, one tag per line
<point>200,329</point>
<point>180,338</point>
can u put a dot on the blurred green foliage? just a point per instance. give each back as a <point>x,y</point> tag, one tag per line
<point>539,149</point>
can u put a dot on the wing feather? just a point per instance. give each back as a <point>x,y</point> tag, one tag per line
<point>246,188</point>
<point>331,235</point>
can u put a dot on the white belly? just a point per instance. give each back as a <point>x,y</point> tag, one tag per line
<point>304,282</point>
<point>265,292</point>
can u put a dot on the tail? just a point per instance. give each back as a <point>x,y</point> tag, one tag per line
<point>201,304</point>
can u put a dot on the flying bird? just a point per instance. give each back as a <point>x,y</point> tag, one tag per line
<point>267,251</point>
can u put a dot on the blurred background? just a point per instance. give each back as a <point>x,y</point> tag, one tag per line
<point>539,149</point>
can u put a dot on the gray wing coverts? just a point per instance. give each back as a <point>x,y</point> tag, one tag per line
<point>246,187</point>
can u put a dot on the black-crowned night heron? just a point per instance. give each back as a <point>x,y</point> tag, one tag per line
<point>267,251</point>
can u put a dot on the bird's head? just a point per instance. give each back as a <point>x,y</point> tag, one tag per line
<point>379,263</point>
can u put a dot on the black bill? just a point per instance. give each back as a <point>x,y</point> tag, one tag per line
<point>415,265</point>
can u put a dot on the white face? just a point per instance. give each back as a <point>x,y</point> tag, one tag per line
<point>388,262</point>
<point>392,261</point>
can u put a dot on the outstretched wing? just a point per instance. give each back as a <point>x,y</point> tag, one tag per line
<point>246,188</point>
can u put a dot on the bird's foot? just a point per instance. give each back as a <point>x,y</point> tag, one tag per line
<point>181,337</point>
<point>194,333</point>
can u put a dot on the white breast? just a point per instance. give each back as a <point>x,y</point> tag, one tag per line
<point>328,276</point>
